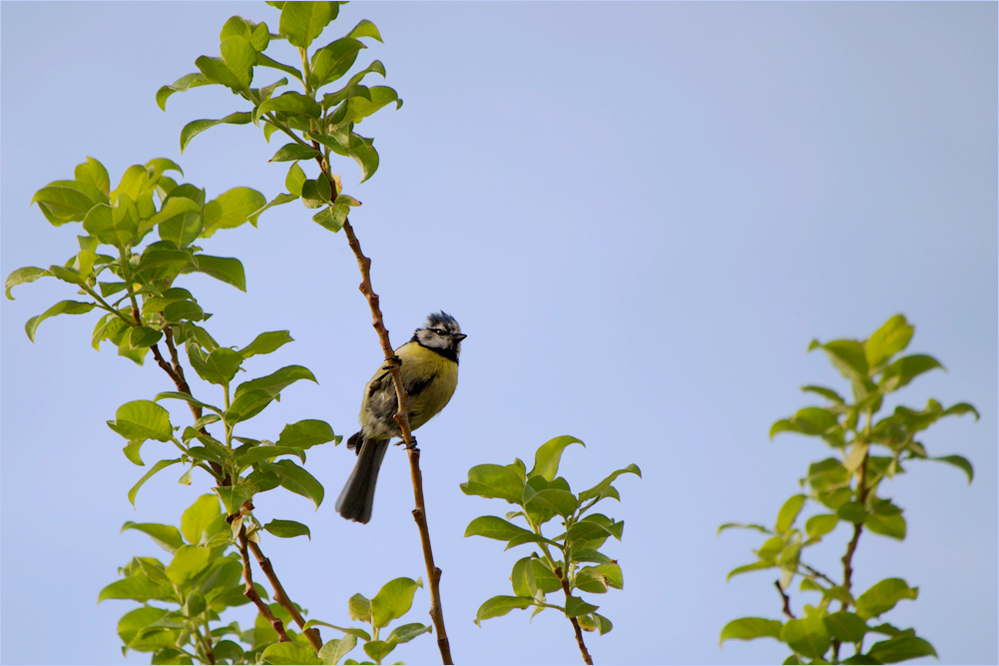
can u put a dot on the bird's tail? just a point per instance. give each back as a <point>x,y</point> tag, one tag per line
<point>358,494</point>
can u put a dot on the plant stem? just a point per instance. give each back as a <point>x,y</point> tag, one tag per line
<point>402,418</point>
<point>250,592</point>
<point>281,597</point>
<point>575,623</point>
<point>787,600</point>
<point>206,642</point>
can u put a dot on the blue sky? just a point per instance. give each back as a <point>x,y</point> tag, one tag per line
<point>640,214</point>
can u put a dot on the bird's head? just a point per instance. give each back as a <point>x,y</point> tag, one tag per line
<point>440,332</point>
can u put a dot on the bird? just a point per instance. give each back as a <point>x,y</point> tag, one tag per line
<point>429,373</point>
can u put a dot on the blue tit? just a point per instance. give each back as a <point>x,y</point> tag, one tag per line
<point>429,373</point>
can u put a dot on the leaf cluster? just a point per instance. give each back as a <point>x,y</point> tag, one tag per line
<point>319,123</point>
<point>845,488</point>
<point>570,561</point>
<point>393,600</point>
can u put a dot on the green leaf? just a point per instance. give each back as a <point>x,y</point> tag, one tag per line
<point>332,218</point>
<point>603,485</point>
<point>279,200</point>
<point>60,308</point>
<point>138,588</point>
<point>960,462</point>
<point>821,524</point>
<point>743,526</point>
<point>905,369</point>
<point>232,209</point>
<point>359,608</point>
<point>559,501</point>
<point>289,653</point>
<point>548,456</point>
<point>360,107</point>
<point>501,605</point>
<point>853,512</point>
<point>746,568</point>
<point>131,451</point>
<point>899,649</point>
<point>257,453</point>
<point>177,395</point>
<point>143,336</point>
<point>589,580</point>
<point>24,276</point>
<point>365,29</point>
<point>93,173</point>
<point>888,340</point>
<point>166,537</point>
<point>575,606</point>
<point>297,480</point>
<point>196,127</point>
<point>302,22</point>
<point>183,84</point>
<point>493,527</point>
<point>291,103</point>
<point>847,356</point>
<point>113,226</point>
<point>824,392</point>
<point>197,518</point>
<point>233,496</point>
<point>333,61</point>
<point>181,229</point>
<point>522,578</point>
<point>277,381</point>
<point>62,203</point>
<point>156,468</point>
<point>883,596</point>
<point>292,152</point>
<point>748,628</point>
<point>224,269</point>
<point>234,69</point>
<point>247,405</point>
<point>807,636</point>
<point>407,632</point>
<point>335,649</point>
<point>362,151</point>
<point>378,650</point>
<point>960,409</point>
<point>845,626</point>
<point>789,513</point>
<point>266,343</point>
<point>305,434</point>
<point>187,563</point>
<point>886,524</point>
<point>494,481</point>
<point>287,529</point>
<point>264,61</point>
<point>393,601</point>
<point>142,419</point>
<point>219,368</point>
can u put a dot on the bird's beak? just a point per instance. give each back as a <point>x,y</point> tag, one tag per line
<point>458,337</point>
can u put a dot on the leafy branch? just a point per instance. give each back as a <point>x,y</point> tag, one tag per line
<point>848,487</point>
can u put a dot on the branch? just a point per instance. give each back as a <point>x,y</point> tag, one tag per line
<point>575,623</point>
<point>281,597</point>
<point>250,592</point>
<point>402,418</point>
<point>787,600</point>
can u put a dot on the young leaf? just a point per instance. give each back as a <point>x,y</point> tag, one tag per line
<point>142,419</point>
<point>493,527</point>
<point>335,649</point>
<point>182,84</point>
<point>289,653</point>
<point>24,276</point>
<point>156,468</point>
<point>960,462</point>
<point>166,537</point>
<point>845,626</point>
<point>234,69</point>
<point>748,628</point>
<point>197,518</point>
<point>789,513</point>
<point>291,103</point>
<point>883,596</point>
<point>333,61</point>
<point>900,649</point>
<point>365,29</point>
<point>196,127</point>
<point>138,588</point>
<point>297,480</point>
<point>279,200</point>
<point>302,22</point>
<point>494,481</point>
<point>549,454</point>
<point>807,636</point>
<point>603,485</point>
<point>246,405</point>
<point>60,308</point>
<point>225,269</point>
<point>293,152</point>
<point>888,340</point>
<point>378,650</point>
<point>407,632</point>
<point>233,496</point>
<point>287,529</point>
<point>393,601</point>
<point>305,434</point>
<point>187,563</point>
<point>359,608</point>
<point>266,343</point>
<point>277,381</point>
<point>561,502</point>
<point>501,605</point>
<point>232,209</point>
<point>575,606</point>
<point>847,356</point>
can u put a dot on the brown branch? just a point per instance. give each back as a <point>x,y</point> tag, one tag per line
<point>787,600</point>
<point>575,623</point>
<point>250,592</point>
<point>818,574</point>
<point>847,560</point>
<point>281,597</point>
<point>402,418</point>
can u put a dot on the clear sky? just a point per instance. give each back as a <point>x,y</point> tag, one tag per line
<point>640,214</point>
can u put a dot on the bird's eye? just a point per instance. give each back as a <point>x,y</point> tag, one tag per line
<point>439,331</point>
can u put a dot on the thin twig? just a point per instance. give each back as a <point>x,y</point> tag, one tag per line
<point>281,597</point>
<point>575,623</point>
<point>818,574</point>
<point>250,592</point>
<point>787,600</point>
<point>847,560</point>
<point>402,418</point>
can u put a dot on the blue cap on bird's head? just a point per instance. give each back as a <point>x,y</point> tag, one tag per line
<point>441,331</point>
